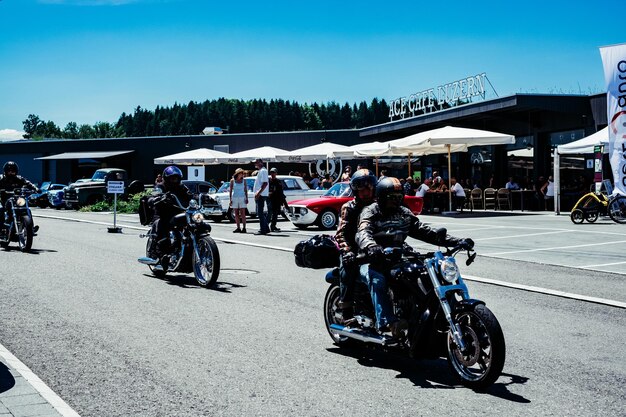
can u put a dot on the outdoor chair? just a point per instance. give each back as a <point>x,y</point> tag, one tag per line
<point>504,199</point>
<point>490,197</point>
<point>476,198</point>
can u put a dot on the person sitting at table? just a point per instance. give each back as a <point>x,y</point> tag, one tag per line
<point>458,194</point>
<point>512,184</point>
<point>439,185</point>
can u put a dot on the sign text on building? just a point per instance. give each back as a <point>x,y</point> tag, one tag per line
<point>435,99</point>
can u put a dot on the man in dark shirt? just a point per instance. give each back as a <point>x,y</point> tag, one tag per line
<point>276,199</point>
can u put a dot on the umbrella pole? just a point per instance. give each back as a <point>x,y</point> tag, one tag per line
<point>327,166</point>
<point>377,166</point>
<point>449,178</point>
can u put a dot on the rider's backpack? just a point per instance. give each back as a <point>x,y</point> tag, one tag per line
<point>146,213</point>
<point>318,252</point>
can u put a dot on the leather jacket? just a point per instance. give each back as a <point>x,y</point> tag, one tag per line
<point>391,229</point>
<point>162,208</point>
<point>348,225</point>
<point>10,183</point>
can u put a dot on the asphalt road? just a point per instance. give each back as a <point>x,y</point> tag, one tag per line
<point>112,340</point>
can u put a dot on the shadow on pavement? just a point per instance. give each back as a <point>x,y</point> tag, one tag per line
<point>187,281</point>
<point>6,379</point>
<point>427,373</point>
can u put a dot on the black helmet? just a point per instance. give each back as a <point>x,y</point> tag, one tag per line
<point>390,193</point>
<point>361,179</point>
<point>10,165</point>
<point>172,170</point>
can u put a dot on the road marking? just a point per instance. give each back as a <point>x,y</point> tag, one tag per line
<point>44,390</point>
<point>599,265</point>
<point>554,248</point>
<point>539,290</point>
<point>546,291</point>
<point>516,236</point>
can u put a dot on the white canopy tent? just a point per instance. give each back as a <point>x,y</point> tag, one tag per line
<point>266,153</point>
<point>450,139</point>
<point>584,145</point>
<point>325,150</point>
<point>202,156</point>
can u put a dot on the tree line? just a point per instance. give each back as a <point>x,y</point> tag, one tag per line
<point>238,116</point>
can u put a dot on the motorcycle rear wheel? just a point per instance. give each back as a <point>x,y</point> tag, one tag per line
<point>331,316</point>
<point>482,362</point>
<point>207,268</point>
<point>157,272</point>
<point>25,233</point>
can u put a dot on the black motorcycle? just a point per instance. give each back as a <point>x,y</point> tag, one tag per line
<point>191,247</point>
<point>17,225</point>
<point>428,291</point>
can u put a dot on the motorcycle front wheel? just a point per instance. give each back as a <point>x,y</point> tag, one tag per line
<point>480,365</point>
<point>206,262</point>
<point>25,233</point>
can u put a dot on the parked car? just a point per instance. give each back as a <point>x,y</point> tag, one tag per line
<point>55,198</point>
<point>294,188</point>
<point>41,199</point>
<point>211,208</point>
<point>324,211</point>
<point>85,193</point>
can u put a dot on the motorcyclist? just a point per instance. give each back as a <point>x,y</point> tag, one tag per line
<point>9,181</point>
<point>387,223</point>
<point>362,183</point>
<point>166,208</point>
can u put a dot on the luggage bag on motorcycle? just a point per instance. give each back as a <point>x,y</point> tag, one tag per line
<point>146,213</point>
<point>318,252</point>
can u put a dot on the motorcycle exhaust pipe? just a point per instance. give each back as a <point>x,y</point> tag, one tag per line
<point>356,334</point>
<point>147,261</point>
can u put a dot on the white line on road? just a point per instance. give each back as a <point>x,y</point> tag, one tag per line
<point>516,236</point>
<point>600,265</point>
<point>612,303</point>
<point>554,248</point>
<point>44,390</point>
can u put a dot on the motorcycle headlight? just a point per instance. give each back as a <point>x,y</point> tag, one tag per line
<point>21,202</point>
<point>197,217</point>
<point>450,270</point>
<point>193,204</point>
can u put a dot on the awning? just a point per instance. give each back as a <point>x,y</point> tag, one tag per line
<point>85,155</point>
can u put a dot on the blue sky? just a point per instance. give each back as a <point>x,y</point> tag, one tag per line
<point>91,60</point>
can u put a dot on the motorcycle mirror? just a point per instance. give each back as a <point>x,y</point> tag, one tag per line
<point>470,258</point>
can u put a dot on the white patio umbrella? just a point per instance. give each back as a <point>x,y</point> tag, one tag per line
<point>453,139</point>
<point>325,150</point>
<point>584,145</point>
<point>266,153</point>
<point>372,149</point>
<point>202,156</point>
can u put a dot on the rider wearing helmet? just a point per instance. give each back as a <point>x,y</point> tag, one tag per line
<point>166,207</point>
<point>387,223</point>
<point>362,183</point>
<point>9,181</point>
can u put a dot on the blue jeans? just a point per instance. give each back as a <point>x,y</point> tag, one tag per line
<point>377,285</point>
<point>260,212</point>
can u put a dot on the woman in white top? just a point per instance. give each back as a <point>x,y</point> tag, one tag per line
<point>548,193</point>
<point>239,199</point>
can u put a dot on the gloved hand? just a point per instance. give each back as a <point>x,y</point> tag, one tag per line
<point>375,254</point>
<point>348,259</point>
<point>467,244</point>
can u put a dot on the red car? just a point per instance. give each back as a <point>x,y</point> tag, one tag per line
<point>324,211</point>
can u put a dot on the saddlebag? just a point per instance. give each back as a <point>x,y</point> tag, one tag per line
<point>146,213</point>
<point>318,252</point>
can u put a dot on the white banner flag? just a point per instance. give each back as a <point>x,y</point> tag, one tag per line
<point>614,61</point>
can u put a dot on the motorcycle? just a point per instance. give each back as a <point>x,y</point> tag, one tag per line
<point>428,291</point>
<point>17,224</point>
<point>191,247</point>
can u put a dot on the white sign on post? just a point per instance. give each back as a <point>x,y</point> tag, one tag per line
<point>115,187</point>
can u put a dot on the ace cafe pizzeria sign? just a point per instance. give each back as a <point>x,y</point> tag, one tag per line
<point>433,99</point>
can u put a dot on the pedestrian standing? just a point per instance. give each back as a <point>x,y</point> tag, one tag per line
<point>261,194</point>
<point>347,174</point>
<point>239,199</point>
<point>158,181</point>
<point>277,199</point>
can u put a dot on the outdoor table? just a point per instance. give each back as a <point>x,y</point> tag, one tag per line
<point>436,199</point>
<point>523,194</point>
